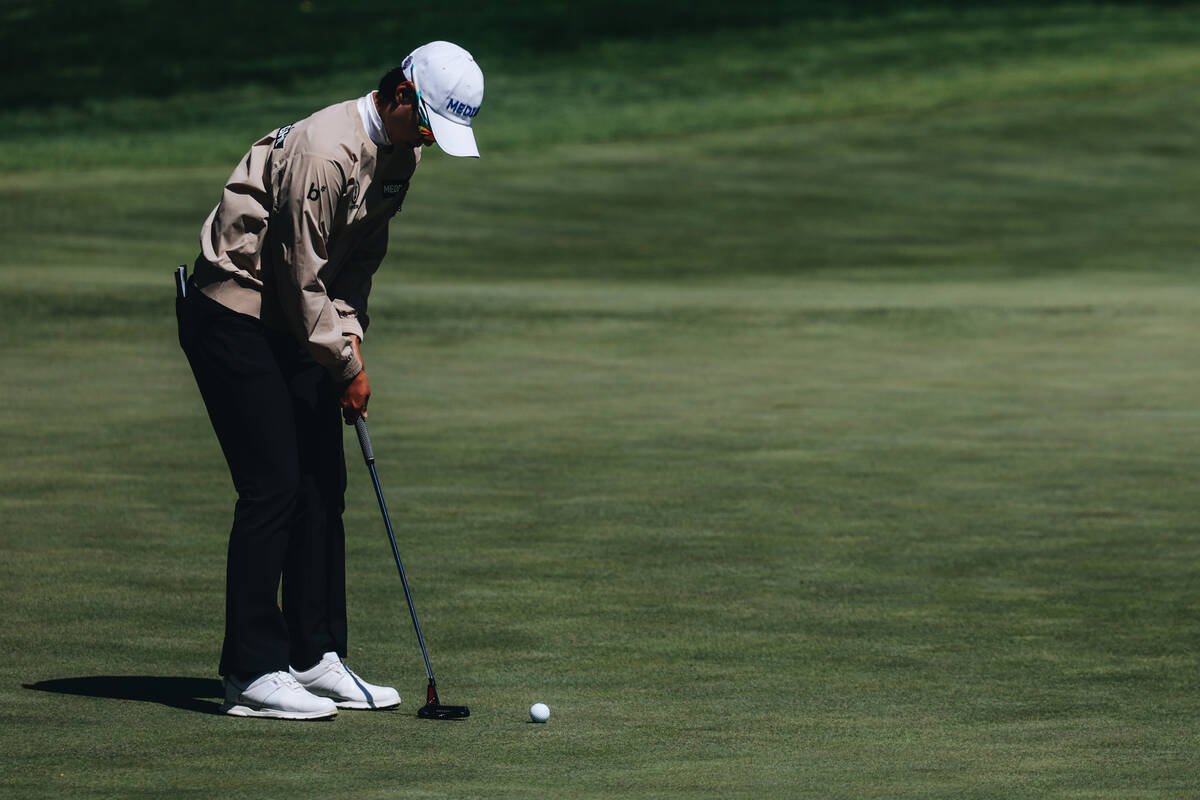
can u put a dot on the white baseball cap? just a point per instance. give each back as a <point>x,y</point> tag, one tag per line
<point>451,87</point>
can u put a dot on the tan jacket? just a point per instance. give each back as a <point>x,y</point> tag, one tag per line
<point>302,227</point>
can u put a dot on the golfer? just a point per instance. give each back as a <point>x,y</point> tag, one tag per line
<point>271,326</point>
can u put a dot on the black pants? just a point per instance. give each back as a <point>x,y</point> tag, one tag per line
<point>276,415</point>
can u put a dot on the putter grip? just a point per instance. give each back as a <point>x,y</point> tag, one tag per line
<point>364,440</point>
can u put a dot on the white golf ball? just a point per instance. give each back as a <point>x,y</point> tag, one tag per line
<point>539,712</point>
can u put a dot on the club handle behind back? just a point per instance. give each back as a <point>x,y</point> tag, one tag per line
<point>364,440</point>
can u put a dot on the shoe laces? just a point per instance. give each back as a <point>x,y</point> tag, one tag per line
<point>286,680</point>
<point>344,668</point>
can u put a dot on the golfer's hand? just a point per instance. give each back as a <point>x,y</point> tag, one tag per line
<point>358,391</point>
<point>354,399</point>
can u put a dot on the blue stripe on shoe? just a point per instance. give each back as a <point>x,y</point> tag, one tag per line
<point>359,684</point>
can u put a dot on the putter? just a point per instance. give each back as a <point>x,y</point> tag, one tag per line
<point>433,708</point>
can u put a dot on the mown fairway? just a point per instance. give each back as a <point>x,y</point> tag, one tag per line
<point>851,454</point>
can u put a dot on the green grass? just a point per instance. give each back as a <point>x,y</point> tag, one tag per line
<point>849,454</point>
<point>628,89</point>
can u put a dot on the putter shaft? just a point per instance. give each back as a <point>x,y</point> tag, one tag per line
<point>433,708</point>
<point>412,609</point>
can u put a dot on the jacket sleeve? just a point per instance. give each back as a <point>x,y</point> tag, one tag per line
<point>308,194</point>
<point>353,284</point>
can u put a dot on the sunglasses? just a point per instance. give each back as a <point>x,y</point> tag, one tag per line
<point>423,126</point>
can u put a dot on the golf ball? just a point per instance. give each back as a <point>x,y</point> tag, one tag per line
<point>539,712</point>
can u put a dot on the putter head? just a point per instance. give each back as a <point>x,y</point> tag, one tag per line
<point>433,708</point>
<point>438,711</point>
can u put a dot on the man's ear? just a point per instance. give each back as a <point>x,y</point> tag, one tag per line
<point>406,94</point>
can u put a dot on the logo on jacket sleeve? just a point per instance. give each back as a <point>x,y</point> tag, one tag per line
<point>394,190</point>
<point>281,136</point>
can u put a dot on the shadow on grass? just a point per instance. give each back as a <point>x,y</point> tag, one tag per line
<point>185,693</point>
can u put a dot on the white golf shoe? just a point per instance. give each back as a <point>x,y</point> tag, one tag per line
<point>333,679</point>
<point>276,695</point>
